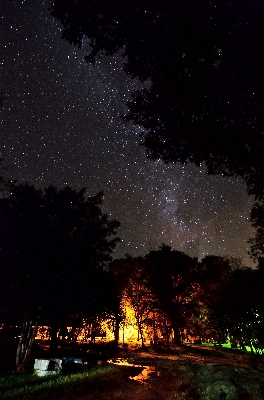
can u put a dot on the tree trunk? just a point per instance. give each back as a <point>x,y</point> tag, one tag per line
<point>25,344</point>
<point>251,347</point>
<point>177,336</point>
<point>63,333</point>
<point>141,336</point>
<point>53,339</point>
<point>116,329</point>
<point>167,337</point>
<point>140,332</point>
<point>155,338</point>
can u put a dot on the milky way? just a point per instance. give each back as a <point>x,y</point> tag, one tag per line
<point>61,124</point>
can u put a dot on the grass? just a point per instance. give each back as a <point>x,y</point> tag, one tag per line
<point>245,350</point>
<point>29,387</point>
<point>195,371</point>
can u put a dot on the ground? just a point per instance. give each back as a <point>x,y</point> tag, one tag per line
<point>187,372</point>
<point>194,372</point>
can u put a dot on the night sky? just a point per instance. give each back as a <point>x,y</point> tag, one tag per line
<point>61,124</point>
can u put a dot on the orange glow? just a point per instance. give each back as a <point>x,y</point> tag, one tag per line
<point>128,332</point>
<point>143,376</point>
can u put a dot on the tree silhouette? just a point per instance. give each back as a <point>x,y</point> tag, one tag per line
<point>214,277</point>
<point>205,61</point>
<point>242,306</point>
<point>257,220</point>
<point>120,270</point>
<point>171,275</point>
<point>54,246</point>
<point>172,293</point>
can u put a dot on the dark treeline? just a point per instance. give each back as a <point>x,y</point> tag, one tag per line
<point>176,296</point>
<point>57,270</point>
<point>55,246</point>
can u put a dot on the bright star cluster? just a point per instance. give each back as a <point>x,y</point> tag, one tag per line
<point>61,123</point>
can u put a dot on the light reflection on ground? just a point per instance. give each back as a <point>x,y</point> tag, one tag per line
<point>143,376</point>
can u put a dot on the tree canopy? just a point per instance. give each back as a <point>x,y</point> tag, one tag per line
<point>176,297</point>
<point>52,241</point>
<point>55,246</point>
<point>205,61</point>
<point>171,275</point>
<point>257,220</point>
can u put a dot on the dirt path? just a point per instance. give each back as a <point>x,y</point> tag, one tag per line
<point>195,373</point>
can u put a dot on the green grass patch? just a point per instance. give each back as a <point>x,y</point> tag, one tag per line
<point>247,349</point>
<point>31,387</point>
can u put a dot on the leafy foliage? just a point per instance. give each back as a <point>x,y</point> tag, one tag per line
<point>173,294</point>
<point>55,246</point>
<point>53,241</point>
<point>205,61</point>
<point>257,243</point>
<point>171,275</point>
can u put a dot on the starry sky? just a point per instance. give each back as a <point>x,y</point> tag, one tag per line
<point>61,124</point>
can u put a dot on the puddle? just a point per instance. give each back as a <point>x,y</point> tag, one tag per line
<point>144,375</point>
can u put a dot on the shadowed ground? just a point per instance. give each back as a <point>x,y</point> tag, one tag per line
<point>189,372</point>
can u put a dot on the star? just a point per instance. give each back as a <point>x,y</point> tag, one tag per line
<point>61,124</point>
